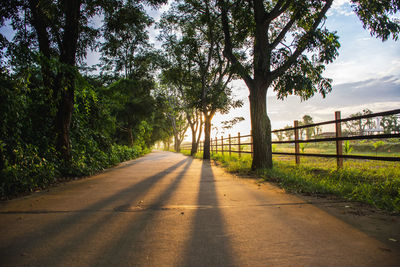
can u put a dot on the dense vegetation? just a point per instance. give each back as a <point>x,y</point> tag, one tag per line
<point>116,112</point>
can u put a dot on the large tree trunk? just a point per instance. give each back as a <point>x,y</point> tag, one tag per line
<point>207,134</point>
<point>68,59</point>
<point>261,129</point>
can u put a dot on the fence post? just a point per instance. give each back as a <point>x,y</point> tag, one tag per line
<point>239,143</point>
<point>216,145</point>
<point>230,145</point>
<point>296,144</point>
<point>251,145</point>
<point>222,145</point>
<point>211,146</point>
<point>339,148</point>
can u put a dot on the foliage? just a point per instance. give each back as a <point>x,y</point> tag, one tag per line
<point>360,126</point>
<point>347,148</point>
<point>302,147</point>
<point>310,131</point>
<point>229,124</point>
<point>289,133</point>
<point>28,157</point>
<point>390,124</point>
<point>126,44</point>
<point>279,135</point>
<point>377,145</point>
<point>193,37</point>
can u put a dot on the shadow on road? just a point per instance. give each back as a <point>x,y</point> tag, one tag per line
<point>69,231</point>
<point>208,235</point>
<point>132,237</point>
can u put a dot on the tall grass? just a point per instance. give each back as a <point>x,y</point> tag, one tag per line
<point>372,182</point>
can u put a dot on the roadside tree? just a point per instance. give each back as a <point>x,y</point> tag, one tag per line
<point>285,45</point>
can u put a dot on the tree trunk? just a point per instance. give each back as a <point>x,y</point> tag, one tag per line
<point>68,73</point>
<point>261,129</point>
<point>194,143</point>
<point>63,122</point>
<point>39,23</point>
<point>199,133</point>
<point>207,133</point>
<point>130,136</point>
<point>177,143</point>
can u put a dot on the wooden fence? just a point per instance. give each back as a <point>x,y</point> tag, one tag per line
<point>242,144</point>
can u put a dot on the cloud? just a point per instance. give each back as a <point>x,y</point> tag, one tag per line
<point>375,94</point>
<point>341,7</point>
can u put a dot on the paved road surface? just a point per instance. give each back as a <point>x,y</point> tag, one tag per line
<point>166,209</point>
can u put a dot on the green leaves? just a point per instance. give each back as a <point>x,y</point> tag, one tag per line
<point>378,17</point>
<point>304,80</point>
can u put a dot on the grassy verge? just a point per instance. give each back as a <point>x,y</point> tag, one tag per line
<point>375,183</point>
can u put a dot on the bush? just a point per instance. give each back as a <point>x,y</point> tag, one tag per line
<point>30,172</point>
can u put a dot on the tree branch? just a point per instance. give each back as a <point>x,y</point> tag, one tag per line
<point>284,31</point>
<point>228,51</point>
<point>302,45</point>
<point>277,10</point>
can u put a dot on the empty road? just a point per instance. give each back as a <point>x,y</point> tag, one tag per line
<point>166,209</point>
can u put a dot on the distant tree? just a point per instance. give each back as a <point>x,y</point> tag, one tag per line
<point>310,131</point>
<point>318,131</point>
<point>177,73</point>
<point>289,133</point>
<point>279,135</point>
<point>175,113</point>
<point>197,25</point>
<point>391,124</point>
<point>162,128</point>
<point>195,120</point>
<point>131,103</point>
<point>360,126</point>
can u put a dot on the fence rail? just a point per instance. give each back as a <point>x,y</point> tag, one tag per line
<point>235,144</point>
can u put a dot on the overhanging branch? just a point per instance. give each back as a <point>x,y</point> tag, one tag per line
<point>302,43</point>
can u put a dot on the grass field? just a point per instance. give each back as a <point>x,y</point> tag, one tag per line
<point>374,182</point>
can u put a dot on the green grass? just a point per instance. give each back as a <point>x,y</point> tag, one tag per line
<point>387,150</point>
<point>364,182</point>
<point>374,182</point>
